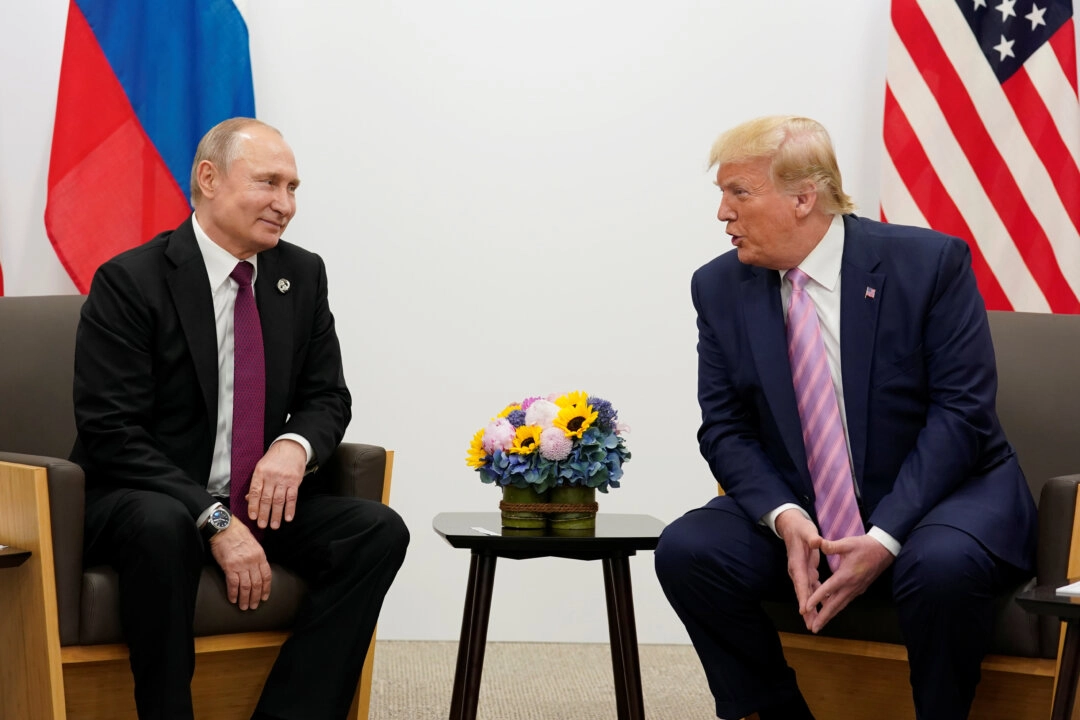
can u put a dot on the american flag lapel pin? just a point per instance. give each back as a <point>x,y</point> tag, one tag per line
<point>870,293</point>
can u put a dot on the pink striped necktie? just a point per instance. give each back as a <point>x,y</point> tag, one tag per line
<point>249,394</point>
<point>823,433</point>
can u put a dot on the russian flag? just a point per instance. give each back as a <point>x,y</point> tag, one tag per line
<point>140,83</point>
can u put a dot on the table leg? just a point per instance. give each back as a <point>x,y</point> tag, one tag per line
<point>623,632</point>
<point>1065,696</point>
<point>474,624</point>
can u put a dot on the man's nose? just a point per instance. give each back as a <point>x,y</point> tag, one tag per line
<point>724,213</point>
<point>284,202</point>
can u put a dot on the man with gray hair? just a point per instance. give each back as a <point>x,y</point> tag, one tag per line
<point>208,388</point>
<point>847,382</point>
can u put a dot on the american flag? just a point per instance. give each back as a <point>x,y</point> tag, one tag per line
<point>982,141</point>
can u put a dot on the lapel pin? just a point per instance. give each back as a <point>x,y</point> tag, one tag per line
<point>870,292</point>
<point>283,286</point>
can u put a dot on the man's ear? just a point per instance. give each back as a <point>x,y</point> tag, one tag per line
<point>805,201</point>
<point>207,177</point>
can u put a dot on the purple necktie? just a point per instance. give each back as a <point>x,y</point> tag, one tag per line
<point>823,433</point>
<point>249,394</point>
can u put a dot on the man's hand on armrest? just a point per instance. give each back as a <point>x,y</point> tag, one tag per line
<point>242,559</point>
<point>276,483</point>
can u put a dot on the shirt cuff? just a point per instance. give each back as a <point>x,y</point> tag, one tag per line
<point>885,539</point>
<point>303,443</point>
<point>770,518</point>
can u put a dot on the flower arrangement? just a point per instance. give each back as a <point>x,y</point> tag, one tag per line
<point>561,440</point>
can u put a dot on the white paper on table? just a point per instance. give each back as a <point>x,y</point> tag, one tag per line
<point>2,547</point>
<point>1073,589</point>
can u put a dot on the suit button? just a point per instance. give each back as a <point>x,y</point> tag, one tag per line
<point>806,500</point>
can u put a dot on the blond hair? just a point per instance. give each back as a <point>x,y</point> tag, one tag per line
<point>221,145</point>
<point>801,153</point>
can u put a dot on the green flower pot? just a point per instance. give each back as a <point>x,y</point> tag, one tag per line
<point>572,521</point>
<point>523,519</point>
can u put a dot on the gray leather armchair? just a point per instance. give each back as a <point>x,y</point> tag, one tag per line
<point>60,640</point>
<point>857,667</point>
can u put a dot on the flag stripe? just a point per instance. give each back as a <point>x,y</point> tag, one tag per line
<point>137,90</point>
<point>1064,45</point>
<point>944,158</point>
<point>177,63</point>
<point>935,204</point>
<point>991,141</point>
<point>1049,145</point>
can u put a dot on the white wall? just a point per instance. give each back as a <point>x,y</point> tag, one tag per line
<point>511,197</point>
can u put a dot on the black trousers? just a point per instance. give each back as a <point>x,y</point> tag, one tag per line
<point>348,550</point>
<point>716,566</point>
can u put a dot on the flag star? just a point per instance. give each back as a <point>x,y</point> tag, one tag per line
<point>979,4</point>
<point>1036,16</point>
<point>1005,48</point>
<point>1006,9</point>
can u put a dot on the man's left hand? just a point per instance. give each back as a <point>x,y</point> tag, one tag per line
<point>275,484</point>
<point>863,559</point>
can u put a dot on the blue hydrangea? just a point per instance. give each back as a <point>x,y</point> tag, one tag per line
<point>516,418</point>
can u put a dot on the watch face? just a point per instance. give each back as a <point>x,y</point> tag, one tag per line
<point>219,519</point>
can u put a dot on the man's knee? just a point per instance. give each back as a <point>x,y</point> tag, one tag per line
<point>159,528</point>
<point>942,565</point>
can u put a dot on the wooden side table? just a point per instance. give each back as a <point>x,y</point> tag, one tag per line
<point>616,538</point>
<point>1044,600</point>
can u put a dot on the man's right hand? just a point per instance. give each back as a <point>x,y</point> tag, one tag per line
<point>802,559</point>
<point>243,560</point>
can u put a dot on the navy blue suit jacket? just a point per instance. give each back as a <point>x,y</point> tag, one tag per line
<point>919,387</point>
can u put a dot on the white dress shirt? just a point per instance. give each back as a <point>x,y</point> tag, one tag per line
<point>219,265</point>
<point>822,266</point>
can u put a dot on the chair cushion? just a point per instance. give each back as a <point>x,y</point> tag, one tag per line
<point>214,614</point>
<point>874,619</point>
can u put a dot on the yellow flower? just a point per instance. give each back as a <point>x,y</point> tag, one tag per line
<point>575,419</point>
<point>476,455</point>
<point>509,409</point>
<point>526,440</point>
<point>573,398</point>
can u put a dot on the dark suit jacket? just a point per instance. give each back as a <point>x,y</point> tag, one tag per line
<point>146,366</point>
<point>919,387</point>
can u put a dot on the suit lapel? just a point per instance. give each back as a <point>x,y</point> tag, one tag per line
<point>189,287</point>
<point>763,314</point>
<point>276,317</point>
<point>861,294</point>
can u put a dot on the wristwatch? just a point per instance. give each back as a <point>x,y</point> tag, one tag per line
<point>218,519</point>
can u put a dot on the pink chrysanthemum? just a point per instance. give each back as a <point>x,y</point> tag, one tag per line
<point>498,435</point>
<point>542,413</point>
<point>554,445</point>
<point>527,402</point>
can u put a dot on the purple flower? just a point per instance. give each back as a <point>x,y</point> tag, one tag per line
<point>527,402</point>
<point>516,418</point>
<point>606,415</point>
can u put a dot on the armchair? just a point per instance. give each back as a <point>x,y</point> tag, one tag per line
<point>60,640</point>
<point>1037,357</point>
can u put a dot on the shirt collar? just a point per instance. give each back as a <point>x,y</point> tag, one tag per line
<point>823,262</point>
<point>219,262</point>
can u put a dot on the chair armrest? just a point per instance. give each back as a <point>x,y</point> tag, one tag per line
<point>357,470</point>
<point>1057,516</point>
<point>67,503</point>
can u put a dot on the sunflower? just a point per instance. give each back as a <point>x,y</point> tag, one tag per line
<point>573,398</point>
<point>575,419</point>
<point>476,455</point>
<point>527,440</point>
